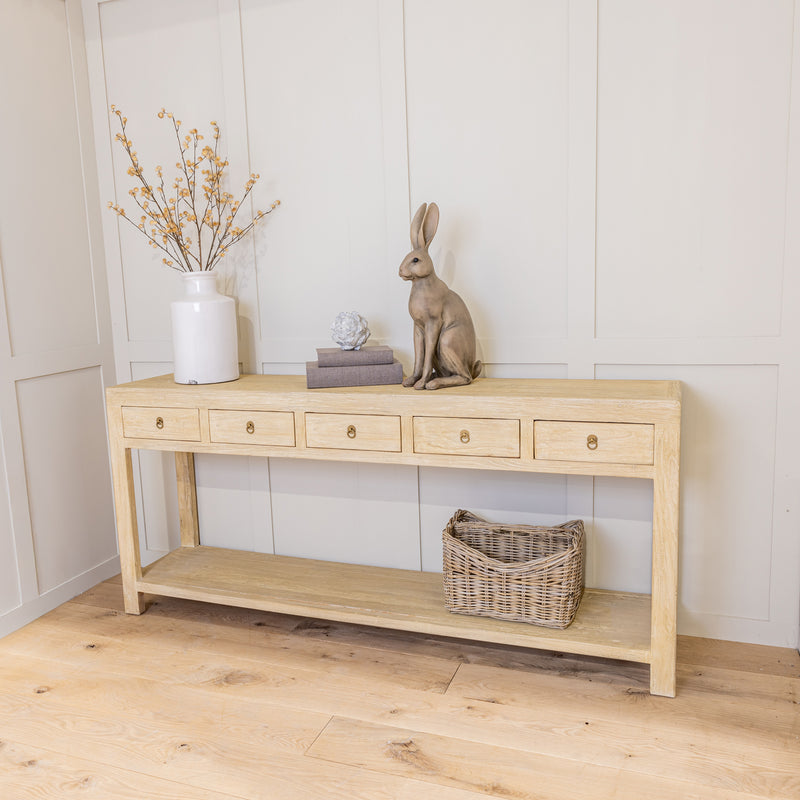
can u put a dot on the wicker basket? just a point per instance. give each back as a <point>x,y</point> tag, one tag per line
<point>523,573</point>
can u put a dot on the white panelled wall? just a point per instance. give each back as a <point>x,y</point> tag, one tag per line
<point>56,513</point>
<point>619,185</point>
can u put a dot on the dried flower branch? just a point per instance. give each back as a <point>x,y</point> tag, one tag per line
<point>193,221</point>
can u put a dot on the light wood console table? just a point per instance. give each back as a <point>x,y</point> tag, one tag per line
<point>616,428</point>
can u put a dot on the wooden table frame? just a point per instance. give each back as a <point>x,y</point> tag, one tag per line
<point>599,428</point>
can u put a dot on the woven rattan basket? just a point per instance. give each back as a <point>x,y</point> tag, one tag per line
<point>523,573</point>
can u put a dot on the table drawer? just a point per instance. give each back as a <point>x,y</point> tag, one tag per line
<point>463,436</point>
<point>252,427</point>
<point>353,431</point>
<point>177,424</point>
<point>606,442</point>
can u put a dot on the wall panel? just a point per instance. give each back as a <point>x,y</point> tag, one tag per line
<point>619,541</point>
<point>234,503</point>
<point>727,484</point>
<point>691,167</point>
<point>315,108</point>
<point>157,55</point>
<point>45,253</point>
<point>358,513</point>
<point>66,465</point>
<point>487,137</point>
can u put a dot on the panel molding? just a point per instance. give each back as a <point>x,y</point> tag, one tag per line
<point>582,185</point>
<point>238,140</point>
<point>785,584</point>
<point>98,102</point>
<point>523,350</point>
<point>391,36</point>
<point>52,362</point>
<point>16,484</point>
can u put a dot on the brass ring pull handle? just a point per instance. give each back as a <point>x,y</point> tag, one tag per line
<point>351,431</point>
<point>250,427</point>
<point>159,422</point>
<point>464,436</point>
<point>591,441</point>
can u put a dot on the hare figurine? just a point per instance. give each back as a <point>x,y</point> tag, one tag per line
<point>444,336</point>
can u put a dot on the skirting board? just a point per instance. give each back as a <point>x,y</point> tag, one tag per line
<point>27,612</point>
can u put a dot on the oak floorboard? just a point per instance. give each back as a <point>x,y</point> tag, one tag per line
<point>721,698</point>
<point>738,744</point>
<point>497,771</point>
<point>116,633</point>
<point>33,772</point>
<point>307,709</point>
<point>757,659</point>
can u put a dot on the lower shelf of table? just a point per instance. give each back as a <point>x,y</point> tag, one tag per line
<point>608,624</point>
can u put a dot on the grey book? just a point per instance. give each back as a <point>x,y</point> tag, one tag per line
<point>369,354</point>
<point>318,377</point>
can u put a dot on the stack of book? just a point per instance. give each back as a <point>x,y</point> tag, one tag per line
<point>370,366</point>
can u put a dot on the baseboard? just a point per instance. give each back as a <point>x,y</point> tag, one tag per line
<point>27,612</point>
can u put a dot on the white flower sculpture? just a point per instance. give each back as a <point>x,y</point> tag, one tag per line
<point>349,330</point>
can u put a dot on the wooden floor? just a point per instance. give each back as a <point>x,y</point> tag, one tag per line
<point>199,701</point>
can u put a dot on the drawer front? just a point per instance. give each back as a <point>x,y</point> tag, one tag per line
<point>252,427</point>
<point>353,431</point>
<point>462,436</point>
<point>178,424</point>
<point>599,442</point>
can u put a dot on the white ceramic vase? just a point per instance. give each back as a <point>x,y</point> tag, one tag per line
<point>204,335</point>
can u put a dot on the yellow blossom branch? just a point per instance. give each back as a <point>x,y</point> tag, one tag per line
<point>169,217</point>
<point>157,229</point>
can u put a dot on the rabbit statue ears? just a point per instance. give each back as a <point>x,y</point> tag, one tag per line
<point>424,225</point>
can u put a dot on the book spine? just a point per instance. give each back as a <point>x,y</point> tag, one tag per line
<point>366,375</point>
<point>336,357</point>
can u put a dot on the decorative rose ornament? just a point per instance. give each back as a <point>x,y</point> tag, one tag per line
<point>349,330</point>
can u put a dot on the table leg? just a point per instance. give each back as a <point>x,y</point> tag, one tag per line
<point>664,600</point>
<point>187,500</point>
<point>125,509</point>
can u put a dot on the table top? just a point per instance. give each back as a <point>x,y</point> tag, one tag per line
<point>667,393</point>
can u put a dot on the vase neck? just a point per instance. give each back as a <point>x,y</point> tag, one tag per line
<point>197,283</point>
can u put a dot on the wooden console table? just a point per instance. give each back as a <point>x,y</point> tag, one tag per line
<point>617,428</point>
